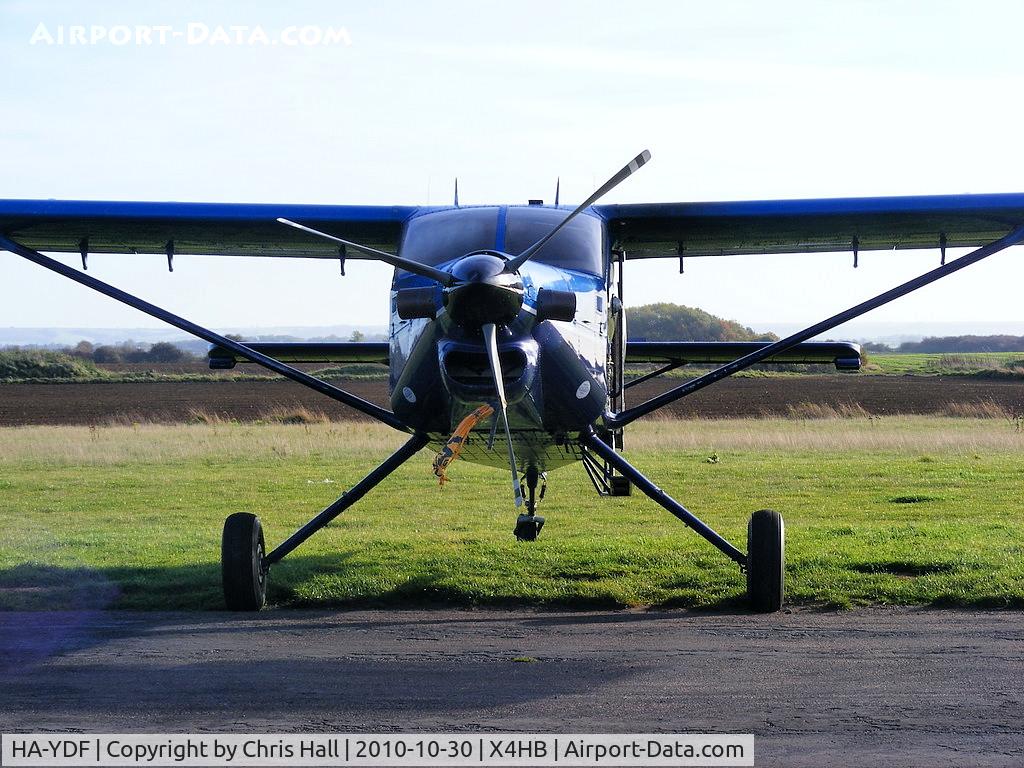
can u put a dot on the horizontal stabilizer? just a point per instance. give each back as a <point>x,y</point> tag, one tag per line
<point>844,355</point>
<point>307,352</point>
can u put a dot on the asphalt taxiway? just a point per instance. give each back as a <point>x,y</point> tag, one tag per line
<point>864,687</point>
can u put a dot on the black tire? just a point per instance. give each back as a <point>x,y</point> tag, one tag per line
<point>620,486</point>
<point>766,561</point>
<point>241,560</point>
<point>528,527</point>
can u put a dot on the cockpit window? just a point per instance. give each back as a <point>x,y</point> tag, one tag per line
<point>439,237</point>
<point>435,238</point>
<point>577,246</point>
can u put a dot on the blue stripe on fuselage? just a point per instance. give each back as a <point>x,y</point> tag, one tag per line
<point>537,275</point>
<point>499,232</point>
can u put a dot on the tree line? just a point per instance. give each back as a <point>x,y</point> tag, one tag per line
<point>164,351</point>
<point>130,352</point>
<point>675,322</point>
<point>969,343</point>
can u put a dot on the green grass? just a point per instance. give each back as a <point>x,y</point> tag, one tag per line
<point>155,375</point>
<point>902,511</point>
<point>44,366</point>
<point>52,367</point>
<point>1002,365</point>
<point>982,364</point>
<point>17,365</point>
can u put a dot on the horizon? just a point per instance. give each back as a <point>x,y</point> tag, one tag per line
<point>891,334</point>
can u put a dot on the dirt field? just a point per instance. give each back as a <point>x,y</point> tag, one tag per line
<point>97,403</point>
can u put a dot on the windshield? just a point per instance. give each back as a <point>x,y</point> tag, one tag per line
<point>438,237</point>
<point>577,246</point>
<point>435,238</point>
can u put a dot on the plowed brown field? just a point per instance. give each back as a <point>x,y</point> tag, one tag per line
<point>98,403</point>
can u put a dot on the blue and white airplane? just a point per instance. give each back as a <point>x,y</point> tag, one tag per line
<point>508,335</point>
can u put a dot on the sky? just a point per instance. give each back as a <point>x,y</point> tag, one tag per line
<point>735,100</point>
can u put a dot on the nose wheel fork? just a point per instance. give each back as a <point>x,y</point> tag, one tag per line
<point>528,525</point>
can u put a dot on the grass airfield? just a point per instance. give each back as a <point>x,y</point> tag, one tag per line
<point>895,510</point>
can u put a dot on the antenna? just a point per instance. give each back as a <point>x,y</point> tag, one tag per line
<point>625,172</point>
<point>558,189</point>
<point>456,191</point>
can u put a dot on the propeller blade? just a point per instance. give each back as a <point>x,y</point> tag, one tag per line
<point>632,167</point>
<point>491,340</point>
<point>444,278</point>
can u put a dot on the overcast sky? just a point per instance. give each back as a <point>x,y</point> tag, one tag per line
<point>735,100</point>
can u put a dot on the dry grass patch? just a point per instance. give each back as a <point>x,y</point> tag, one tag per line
<point>905,434</point>
<point>300,433</point>
<point>828,411</point>
<point>214,439</point>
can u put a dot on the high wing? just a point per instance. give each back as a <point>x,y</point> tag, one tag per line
<point>844,355</point>
<point>225,229</point>
<point>651,230</point>
<point>642,230</point>
<point>307,352</point>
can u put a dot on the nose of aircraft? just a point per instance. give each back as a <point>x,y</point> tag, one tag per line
<point>483,292</point>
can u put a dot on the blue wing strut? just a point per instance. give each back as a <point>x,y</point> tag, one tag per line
<point>619,420</point>
<point>239,349</point>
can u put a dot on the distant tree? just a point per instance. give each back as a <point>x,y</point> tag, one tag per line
<point>875,346</point>
<point>133,354</point>
<point>674,322</point>
<point>234,336</point>
<point>165,352</point>
<point>83,349</point>
<point>107,354</point>
<point>995,343</point>
<point>357,336</point>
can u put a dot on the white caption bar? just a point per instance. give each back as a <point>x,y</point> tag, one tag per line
<point>402,749</point>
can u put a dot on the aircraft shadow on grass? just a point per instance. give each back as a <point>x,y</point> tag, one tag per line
<point>196,587</point>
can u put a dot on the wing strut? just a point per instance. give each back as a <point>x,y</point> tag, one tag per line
<point>613,457</point>
<point>619,420</point>
<point>241,350</point>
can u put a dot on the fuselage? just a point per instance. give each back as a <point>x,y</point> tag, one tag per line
<point>554,370</point>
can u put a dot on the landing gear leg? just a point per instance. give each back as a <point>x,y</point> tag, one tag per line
<point>243,563</point>
<point>528,525</point>
<point>765,563</point>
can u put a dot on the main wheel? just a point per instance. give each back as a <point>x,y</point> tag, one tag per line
<point>766,561</point>
<point>241,562</point>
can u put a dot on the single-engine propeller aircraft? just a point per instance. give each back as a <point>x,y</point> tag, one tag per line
<point>510,318</point>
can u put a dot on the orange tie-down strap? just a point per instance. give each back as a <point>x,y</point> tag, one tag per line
<point>453,447</point>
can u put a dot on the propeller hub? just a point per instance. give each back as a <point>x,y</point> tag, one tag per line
<point>483,292</point>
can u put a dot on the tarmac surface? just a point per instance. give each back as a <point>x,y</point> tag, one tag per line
<point>868,687</point>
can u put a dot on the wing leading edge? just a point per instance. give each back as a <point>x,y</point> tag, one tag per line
<point>652,230</point>
<point>223,229</point>
<point>646,230</point>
